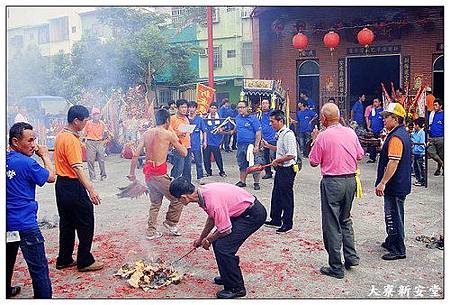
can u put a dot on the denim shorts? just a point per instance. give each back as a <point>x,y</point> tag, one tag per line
<point>241,157</point>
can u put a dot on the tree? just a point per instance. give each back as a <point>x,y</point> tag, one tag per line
<point>27,74</point>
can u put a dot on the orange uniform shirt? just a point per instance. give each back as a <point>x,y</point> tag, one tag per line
<point>175,122</point>
<point>67,153</point>
<point>430,102</point>
<point>94,131</point>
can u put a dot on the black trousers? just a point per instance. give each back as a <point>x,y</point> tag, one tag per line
<point>217,157</point>
<point>282,203</point>
<point>225,248</point>
<point>76,213</point>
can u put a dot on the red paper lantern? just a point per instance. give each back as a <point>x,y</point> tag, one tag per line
<point>331,40</point>
<point>365,37</point>
<point>300,41</point>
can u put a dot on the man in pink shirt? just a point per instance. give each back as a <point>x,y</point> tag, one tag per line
<point>337,150</point>
<point>236,214</point>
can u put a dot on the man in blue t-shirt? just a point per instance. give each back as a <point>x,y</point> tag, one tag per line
<point>418,142</point>
<point>214,137</point>
<point>436,142</point>
<point>268,134</point>
<point>198,139</point>
<point>309,102</point>
<point>248,129</point>
<point>376,125</point>
<point>357,113</point>
<point>305,118</point>
<point>224,112</point>
<point>23,173</point>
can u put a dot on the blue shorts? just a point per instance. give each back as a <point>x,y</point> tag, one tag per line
<point>241,157</point>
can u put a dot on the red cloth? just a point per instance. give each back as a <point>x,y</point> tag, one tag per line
<point>150,170</point>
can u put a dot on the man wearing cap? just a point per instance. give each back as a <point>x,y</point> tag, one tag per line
<point>394,179</point>
<point>235,214</point>
<point>429,99</point>
<point>436,125</point>
<point>96,133</point>
<point>337,150</point>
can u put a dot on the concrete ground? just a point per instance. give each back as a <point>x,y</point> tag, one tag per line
<point>273,266</point>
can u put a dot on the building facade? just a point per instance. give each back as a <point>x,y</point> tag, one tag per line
<point>51,29</point>
<point>407,51</point>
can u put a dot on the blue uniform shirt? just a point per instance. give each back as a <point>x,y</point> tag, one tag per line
<point>358,113</point>
<point>268,133</point>
<point>437,126</point>
<point>195,135</point>
<point>376,120</point>
<point>22,175</point>
<point>212,139</point>
<point>303,119</point>
<point>246,128</point>
<point>418,137</point>
<point>311,103</point>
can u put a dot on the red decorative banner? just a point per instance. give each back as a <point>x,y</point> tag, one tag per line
<point>205,96</point>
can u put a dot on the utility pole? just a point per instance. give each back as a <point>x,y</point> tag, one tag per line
<point>210,48</point>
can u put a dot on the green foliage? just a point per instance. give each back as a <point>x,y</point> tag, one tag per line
<point>27,74</point>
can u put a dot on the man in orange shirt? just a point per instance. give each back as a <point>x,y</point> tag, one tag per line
<point>75,195</point>
<point>96,134</point>
<point>181,165</point>
<point>430,99</point>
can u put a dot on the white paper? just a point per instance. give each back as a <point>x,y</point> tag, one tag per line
<point>12,236</point>
<point>186,128</point>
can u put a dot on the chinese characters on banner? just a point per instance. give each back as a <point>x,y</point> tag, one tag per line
<point>205,96</point>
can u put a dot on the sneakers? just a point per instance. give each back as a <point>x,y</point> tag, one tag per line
<point>349,265</point>
<point>72,264</point>
<point>437,172</point>
<point>172,229</point>
<point>417,183</point>
<point>329,272</point>
<point>103,177</point>
<point>256,186</point>
<point>267,176</point>
<point>155,235</point>
<point>92,267</point>
<point>392,257</point>
<point>200,181</point>
<point>13,291</point>
<point>241,184</point>
<point>218,280</point>
<point>222,174</point>
<point>283,230</point>
<point>272,224</point>
<point>371,161</point>
<point>232,293</point>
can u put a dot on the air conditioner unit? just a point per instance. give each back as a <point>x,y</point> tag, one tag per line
<point>203,52</point>
<point>245,13</point>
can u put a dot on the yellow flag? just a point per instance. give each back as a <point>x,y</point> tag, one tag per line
<point>359,191</point>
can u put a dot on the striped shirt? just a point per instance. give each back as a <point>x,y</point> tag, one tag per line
<point>286,145</point>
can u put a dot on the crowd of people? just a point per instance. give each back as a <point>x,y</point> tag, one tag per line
<point>263,141</point>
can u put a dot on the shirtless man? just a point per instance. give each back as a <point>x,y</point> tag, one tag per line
<point>156,142</point>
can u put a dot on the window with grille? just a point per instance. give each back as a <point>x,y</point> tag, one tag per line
<point>215,15</point>
<point>59,28</point>
<point>247,53</point>
<point>43,34</point>
<point>176,13</point>
<point>217,57</point>
<point>230,8</point>
<point>231,53</point>
<point>16,41</point>
<point>164,96</point>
